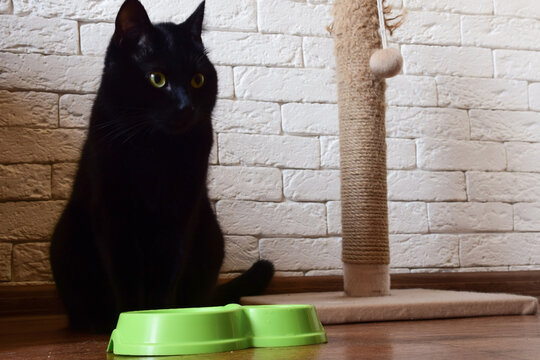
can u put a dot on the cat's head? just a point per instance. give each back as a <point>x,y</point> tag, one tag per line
<point>158,74</point>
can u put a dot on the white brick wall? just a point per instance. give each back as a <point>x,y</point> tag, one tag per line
<point>35,34</point>
<point>463,130</point>
<point>447,60</point>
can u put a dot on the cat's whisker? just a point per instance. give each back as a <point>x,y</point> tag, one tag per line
<point>134,133</point>
<point>120,134</point>
<point>117,133</point>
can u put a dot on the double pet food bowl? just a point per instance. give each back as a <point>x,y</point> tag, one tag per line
<point>215,329</point>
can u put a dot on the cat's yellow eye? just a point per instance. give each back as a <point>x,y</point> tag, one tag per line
<point>197,81</point>
<point>157,79</point>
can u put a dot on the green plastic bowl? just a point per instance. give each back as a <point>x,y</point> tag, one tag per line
<point>284,325</point>
<point>214,329</point>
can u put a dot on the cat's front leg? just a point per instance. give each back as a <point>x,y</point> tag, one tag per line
<point>198,283</point>
<point>78,272</point>
<point>122,263</point>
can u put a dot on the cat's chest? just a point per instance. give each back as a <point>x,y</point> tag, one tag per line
<point>152,181</point>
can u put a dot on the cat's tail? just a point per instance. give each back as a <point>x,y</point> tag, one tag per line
<point>252,282</point>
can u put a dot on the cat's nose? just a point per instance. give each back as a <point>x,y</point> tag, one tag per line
<point>183,100</point>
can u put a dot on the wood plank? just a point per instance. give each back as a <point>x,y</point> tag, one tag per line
<point>497,338</point>
<point>29,300</point>
<point>43,299</point>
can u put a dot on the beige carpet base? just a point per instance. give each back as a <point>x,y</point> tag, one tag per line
<point>409,304</point>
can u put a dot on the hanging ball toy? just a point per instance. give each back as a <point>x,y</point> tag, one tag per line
<point>385,62</point>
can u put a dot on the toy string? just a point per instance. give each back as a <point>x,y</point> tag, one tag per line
<point>382,26</point>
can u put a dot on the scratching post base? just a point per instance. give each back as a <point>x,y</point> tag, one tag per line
<point>409,304</point>
<point>366,280</point>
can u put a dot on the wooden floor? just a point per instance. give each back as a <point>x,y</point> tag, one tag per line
<point>508,338</point>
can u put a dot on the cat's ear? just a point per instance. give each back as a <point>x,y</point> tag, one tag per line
<point>195,21</point>
<point>132,26</point>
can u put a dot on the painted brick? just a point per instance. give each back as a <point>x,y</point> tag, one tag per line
<point>39,145</point>
<point>400,154</point>
<point>517,64</point>
<point>482,93</point>
<point>426,185</point>
<point>231,48</point>
<point>411,91</point>
<point>52,72</point>
<point>407,217</point>
<point>534,96</point>
<point>503,186</point>
<point>5,6</point>
<point>310,119</point>
<point>329,152</point>
<point>34,109</point>
<point>324,272</point>
<point>395,4</point>
<point>173,11</point>
<point>75,110</point>
<point>269,150</point>
<point>95,38</point>
<point>505,125</point>
<point>240,253</point>
<point>225,81</point>
<point>500,249</point>
<point>31,262</point>
<point>524,268</point>
<point>470,217</point>
<point>69,9</point>
<point>483,269</point>
<point>63,175</point>
<point>407,122</point>
<point>279,84</point>
<point>25,182</point>
<point>5,261</point>
<point>500,32</point>
<point>213,157</point>
<point>523,157</point>
<point>28,220</point>
<point>229,15</point>
<point>447,60</point>
<point>321,1</point>
<point>318,52</point>
<point>281,219</point>
<point>527,217</point>
<point>233,14</point>
<point>429,28</point>
<point>424,250</point>
<point>35,34</point>
<point>333,211</point>
<point>288,273</point>
<point>311,185</point>
<point>302,254</point>
<point>244,183</point>
<point>403,270</point>
<point>292,17</point>
<point>522,8</point>
<point>247,117</point>
<point>440,154</point>
<point>229,275</point>
<point>457,6</point>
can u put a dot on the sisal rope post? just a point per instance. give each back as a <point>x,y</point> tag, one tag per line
<point>361,107</point>
<point>363,196</point>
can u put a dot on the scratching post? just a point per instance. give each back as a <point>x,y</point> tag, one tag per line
<point>365,243</point>
<point>365,251</point>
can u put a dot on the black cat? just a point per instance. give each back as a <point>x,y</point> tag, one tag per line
<point>138,231</point>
